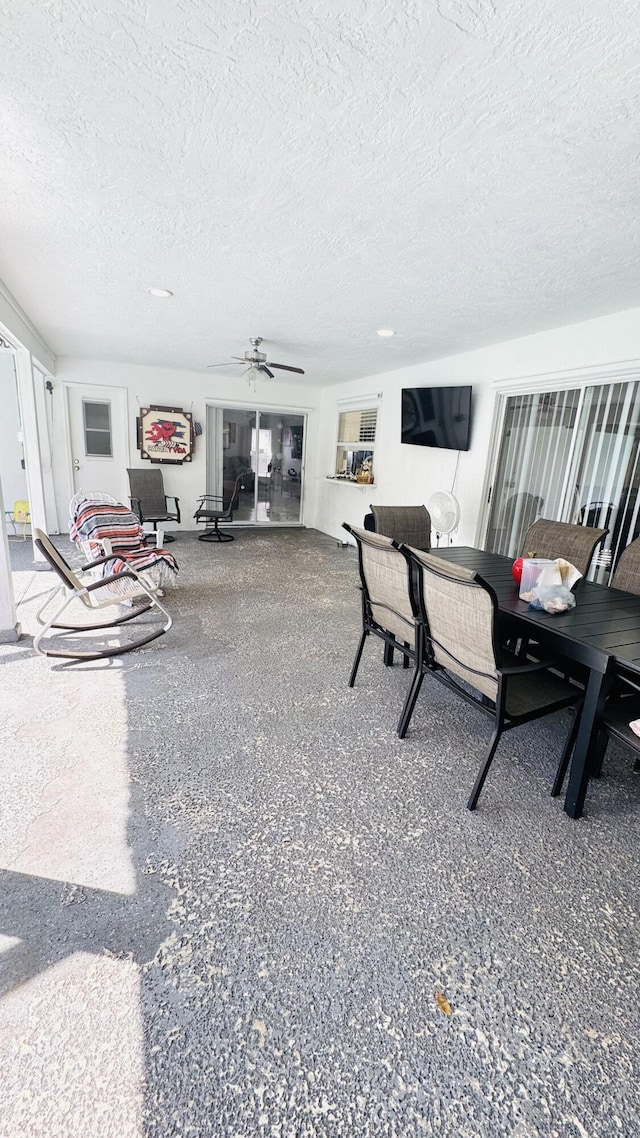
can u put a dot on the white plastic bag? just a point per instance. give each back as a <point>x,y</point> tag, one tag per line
<point>552,590</point>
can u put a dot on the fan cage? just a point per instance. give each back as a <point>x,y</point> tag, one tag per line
<point>444,509</point>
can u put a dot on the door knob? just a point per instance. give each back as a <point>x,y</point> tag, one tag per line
<point>76,464</point>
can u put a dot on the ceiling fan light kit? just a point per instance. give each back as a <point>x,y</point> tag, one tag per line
<point>257,365</point>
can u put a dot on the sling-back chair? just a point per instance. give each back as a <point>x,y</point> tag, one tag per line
<point>408,524</point>
<point>576,544</point>
<point>459,615</point>
<point>149,501</point>
<point>622,705</point>
<point>549,539</point>
<point>103,593</point>
<point>215,508</point>
<point>386,597</point>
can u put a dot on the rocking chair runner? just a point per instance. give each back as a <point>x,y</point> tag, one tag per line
<point>216,508</point>
<point>94,595</point>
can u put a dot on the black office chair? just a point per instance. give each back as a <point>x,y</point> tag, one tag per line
<point>149,501</point>
<point>216,508</point>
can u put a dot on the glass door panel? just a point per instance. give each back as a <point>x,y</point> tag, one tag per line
<point>268,446</point>
<point>531,478</point>
<point>571,456</point>
<point>605,471</point>
<point>280,471</point>
<point>230,432</point>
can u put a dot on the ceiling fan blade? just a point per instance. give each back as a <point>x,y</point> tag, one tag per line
<point>265,369</point>
<point>230,364</point>
<point>285,367</point>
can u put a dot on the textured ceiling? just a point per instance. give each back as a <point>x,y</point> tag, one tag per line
<point>464,171</point>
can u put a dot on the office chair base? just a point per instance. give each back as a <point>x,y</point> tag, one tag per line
<point>167,538</point>
<point>216,535</point>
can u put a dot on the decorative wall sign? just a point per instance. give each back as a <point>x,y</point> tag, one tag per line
<point>165,434</point>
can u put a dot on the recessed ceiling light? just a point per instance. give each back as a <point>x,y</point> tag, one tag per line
<point>386,332</point>
<point>159,292</point>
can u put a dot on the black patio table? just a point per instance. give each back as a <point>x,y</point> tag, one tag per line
<point>602,633</point>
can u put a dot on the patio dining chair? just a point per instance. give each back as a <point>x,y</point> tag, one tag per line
<point>125,588</point>
<point>627,572</point>
<point>408,524</point>
<point>459,614</point>
<point>576,544</point>
<point>549,539</point>
<point>386,597</point>
<point>622,703</point>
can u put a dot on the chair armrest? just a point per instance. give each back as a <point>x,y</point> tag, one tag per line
<point>136,506</point>
<point>100,584</point>
<point>535,666</point>
<point>98,561</point>
<point>210,498</point>
<point>174,499</point>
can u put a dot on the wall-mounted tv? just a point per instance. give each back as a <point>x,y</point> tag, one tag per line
<point>437,417</point>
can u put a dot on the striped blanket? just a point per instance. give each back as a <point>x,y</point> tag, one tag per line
<point>93,522</point>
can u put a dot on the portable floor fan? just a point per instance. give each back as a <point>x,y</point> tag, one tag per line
<point>444,509</point>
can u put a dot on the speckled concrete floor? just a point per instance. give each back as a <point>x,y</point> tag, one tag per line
<point>229,892</point>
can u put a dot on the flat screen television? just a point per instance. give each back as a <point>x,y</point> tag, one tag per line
<point>437,417</point>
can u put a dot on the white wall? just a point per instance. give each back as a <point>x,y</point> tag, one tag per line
<point>12,474</point>
<point>404,474</point>
<point>408,475</point>
<point>173,388</point>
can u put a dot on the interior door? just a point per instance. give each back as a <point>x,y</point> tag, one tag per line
<point>98,438</point>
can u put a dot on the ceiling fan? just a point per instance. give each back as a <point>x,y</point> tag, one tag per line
<point>256,362</point>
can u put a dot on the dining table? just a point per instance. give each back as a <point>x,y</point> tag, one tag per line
<point>601,634</point>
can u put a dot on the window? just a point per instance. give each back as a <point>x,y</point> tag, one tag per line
<point>97,429</point>
<point>356,444</point>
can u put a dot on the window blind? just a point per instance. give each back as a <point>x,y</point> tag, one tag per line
<point>358,426</point>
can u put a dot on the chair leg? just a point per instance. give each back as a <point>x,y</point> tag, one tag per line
<point>216,534</point>
<point>388,655</point>
<point>356,662</point>
<point>484,770</point>
<point>167,537</point>
<point>406,659</point>
<point>636,765</point>
<point>410,702</point>
<point>600,744</point>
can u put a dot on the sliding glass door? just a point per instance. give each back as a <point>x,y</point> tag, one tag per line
<point>266,447</point>
<point>571,456</point>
